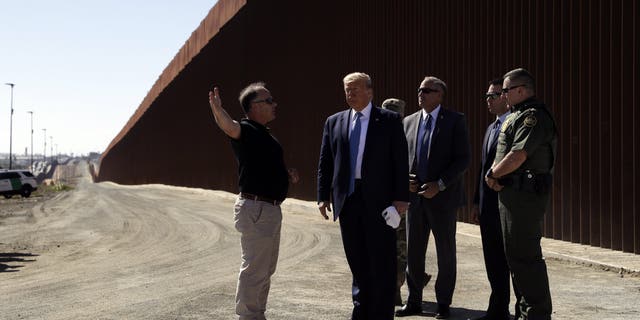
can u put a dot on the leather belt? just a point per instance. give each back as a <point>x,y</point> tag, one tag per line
<point>259,198</point>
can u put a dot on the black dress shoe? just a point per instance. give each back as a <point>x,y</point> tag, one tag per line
<point>409,310</point>
<point>443,312</point>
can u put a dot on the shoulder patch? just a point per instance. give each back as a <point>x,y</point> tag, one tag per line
<point>530,120</point>
<point>507,122</point>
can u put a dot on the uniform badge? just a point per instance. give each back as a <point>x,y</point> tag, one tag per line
<point>530,121</point>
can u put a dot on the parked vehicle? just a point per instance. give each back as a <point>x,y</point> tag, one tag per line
<point>20,182</point>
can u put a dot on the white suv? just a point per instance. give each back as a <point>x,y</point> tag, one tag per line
<point>20,182</point>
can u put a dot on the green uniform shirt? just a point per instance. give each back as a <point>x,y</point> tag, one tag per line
<point>531,128</point>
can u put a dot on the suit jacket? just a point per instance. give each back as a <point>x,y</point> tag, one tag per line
<point>384,167</point>
<point>448,159</point>
<point>485,197</point>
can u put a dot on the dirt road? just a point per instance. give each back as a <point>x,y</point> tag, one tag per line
<point>106,251</point>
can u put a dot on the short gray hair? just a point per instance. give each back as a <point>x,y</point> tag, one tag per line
<point>521,76</point>
<point>437,82</point>
<point>249,93</point>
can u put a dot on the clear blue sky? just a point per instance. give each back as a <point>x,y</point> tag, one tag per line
<point>84,66</point>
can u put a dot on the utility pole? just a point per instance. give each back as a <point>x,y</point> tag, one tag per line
<point>11,127</point>
<point>44,152</point>
<point>51,156</point>
<point>31,166</point>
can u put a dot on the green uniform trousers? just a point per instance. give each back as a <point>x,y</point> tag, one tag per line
<point>521,217</point>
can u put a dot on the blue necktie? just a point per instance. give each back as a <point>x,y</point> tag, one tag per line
<point>494,134</point>
<point>424,149</point>
<point>354,142</point>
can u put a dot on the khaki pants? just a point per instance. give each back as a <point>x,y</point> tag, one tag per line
<point>259,224</point>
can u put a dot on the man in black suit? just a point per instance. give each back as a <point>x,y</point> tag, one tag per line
<point>438,156</point>
<point>485,211</point>
<point>362,171</point>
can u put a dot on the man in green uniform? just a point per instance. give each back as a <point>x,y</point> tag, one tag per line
<point>521,173</point>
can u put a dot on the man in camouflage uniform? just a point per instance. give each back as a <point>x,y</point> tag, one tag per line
<point>521,173</point>
<point>397,105</point>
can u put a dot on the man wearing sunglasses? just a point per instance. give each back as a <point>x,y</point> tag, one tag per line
<point>397,105</point>
<point>522,173</point>
<point>439,154</point>
<point>263,183</point>
<point>485,211</point>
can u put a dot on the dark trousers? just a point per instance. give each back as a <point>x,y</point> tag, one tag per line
<point>370,246</point>
<point>421,220</point>
<point>521,216</point>
<point>495,262</point>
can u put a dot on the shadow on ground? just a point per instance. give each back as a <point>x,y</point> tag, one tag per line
<point>429,309</point>
<point>14,257</point>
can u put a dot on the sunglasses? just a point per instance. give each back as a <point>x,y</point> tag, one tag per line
<point>505,90</point>
<point>426,90</point>
<point>267,100</point>
<point>492,96</point>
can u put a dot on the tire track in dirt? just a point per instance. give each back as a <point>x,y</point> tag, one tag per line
<point>143,252</point>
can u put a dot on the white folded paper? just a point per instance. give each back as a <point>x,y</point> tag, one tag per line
<point>391,216</point>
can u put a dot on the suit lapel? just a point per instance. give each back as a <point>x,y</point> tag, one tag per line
<point>374,120</point>
<point>412,137</point>
<point>442,118</point>
<point>485,141</point>
<point>372,131</point>
<point>412,134</point>
<point>344,126</point>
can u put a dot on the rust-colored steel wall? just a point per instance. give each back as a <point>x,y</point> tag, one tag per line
<point>584,55</point>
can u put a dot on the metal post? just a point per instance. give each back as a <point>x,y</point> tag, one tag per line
<point>11,127</point>
<point>51,156</point>
<point>44,152</point>
<point>31,158</point>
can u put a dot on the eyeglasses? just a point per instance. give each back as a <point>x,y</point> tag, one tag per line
<point>506,90</point>
<point>426,90</point>
<point>492,95</point>
<point>267,100</point>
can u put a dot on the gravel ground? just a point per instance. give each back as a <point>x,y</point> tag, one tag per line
<point>107,251</point>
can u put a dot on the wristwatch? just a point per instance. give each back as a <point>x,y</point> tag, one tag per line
<point>441,185</point>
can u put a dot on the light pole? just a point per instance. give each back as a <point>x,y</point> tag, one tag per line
<point>11,127</point>
<point>31,113</point>
<point>51,156</point>
<point>44,152</point>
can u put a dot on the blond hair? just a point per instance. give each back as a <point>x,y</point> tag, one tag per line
<point>357,76</point>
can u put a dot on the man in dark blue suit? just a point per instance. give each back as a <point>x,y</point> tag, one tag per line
<point>362,171</point>
<point>438,156</point>
<point>486,212</point>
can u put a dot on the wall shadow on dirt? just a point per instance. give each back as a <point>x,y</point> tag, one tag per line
<point>10,257</point>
